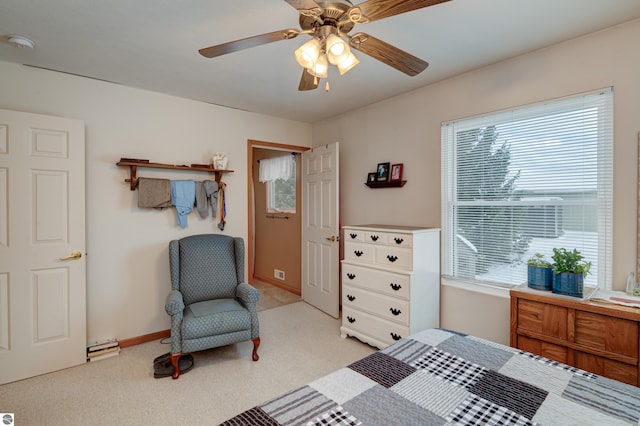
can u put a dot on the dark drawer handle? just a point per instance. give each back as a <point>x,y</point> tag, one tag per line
<point>357,253</point>
<point>350,275</point>
<point>353,236</point>
<point>395,311</point>
<point>398,240</point>
<point>395,336</point>
<point>351,298</point>
<point>374,237</point>
<point>351,320</point>
<point>392,258</point>
<point>396,287</point>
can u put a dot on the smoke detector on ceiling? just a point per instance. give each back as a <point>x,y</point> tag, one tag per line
<point>21,42</point>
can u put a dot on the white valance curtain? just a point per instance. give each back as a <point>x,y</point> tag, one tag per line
<point>275,168</point>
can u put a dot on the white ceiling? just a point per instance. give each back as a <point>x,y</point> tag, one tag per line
<point>153,45</point>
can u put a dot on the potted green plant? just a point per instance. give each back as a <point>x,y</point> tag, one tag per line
<point>569,270</point>
<point>539,272</point>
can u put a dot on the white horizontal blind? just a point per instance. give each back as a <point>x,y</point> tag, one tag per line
<point>524,181</point>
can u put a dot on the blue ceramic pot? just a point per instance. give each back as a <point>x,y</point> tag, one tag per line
<point>568,283</point>
<point>539,278</point>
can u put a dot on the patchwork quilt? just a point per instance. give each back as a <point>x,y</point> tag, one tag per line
<point>439,377</point>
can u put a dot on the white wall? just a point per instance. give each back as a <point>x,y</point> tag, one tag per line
<point>127,255</point>
<point>406,129</point>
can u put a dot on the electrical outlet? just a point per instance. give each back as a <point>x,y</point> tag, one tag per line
<point>277,273</point>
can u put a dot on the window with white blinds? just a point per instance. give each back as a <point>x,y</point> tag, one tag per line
<point>525,181</point>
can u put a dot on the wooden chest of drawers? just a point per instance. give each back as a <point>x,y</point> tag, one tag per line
<point>390,282</point>
<point>594,336</point>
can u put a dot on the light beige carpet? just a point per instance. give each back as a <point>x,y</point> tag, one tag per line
<point>272,296</point>
<point>299,344</point>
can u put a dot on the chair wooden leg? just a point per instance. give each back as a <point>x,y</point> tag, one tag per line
<point>256,343</point>
<point>175,362</point>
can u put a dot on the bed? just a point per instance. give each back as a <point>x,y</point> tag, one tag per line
<point>438,377</point>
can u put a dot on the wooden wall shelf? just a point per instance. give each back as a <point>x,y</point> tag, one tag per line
<point>394,184</point>
<point>134,164</point>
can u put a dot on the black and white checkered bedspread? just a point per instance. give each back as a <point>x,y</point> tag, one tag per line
<point>439,377</point>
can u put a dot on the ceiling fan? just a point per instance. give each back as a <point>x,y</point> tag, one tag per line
<point>329,23</point>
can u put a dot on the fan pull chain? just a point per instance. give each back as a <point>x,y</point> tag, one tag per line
<point>326,86</point>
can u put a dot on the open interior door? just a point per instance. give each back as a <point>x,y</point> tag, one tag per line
<point>42,245</point>
<point>320,233</point>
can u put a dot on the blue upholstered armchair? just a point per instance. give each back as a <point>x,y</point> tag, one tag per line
<point>210,304</point>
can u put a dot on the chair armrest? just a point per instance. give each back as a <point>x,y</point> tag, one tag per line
<point>247,293</point>
<point>174,303</point>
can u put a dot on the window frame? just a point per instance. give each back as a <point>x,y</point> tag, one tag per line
<point>270,194</point>
<point>604,180</point>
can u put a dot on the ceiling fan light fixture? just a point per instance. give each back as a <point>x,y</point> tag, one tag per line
<point>337,49</point>
<point>347,63</point>
<point>307,54</point>
<point>320,68</point>
<point>329,23</point>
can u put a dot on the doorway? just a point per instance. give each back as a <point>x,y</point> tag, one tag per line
<point>268,230</point>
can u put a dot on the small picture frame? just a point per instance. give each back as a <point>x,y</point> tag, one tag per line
<point>382,175</point>
<point>396,172</point>
<point>371,177</point>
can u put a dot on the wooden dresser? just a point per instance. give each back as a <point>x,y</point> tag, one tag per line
<point>599,337</point>
<point>390,282</point>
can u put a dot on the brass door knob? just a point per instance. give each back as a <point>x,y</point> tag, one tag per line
<point>75,255</point>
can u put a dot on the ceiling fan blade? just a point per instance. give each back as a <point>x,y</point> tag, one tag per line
<point>245,43</point>
<point>372,10</point>
<point>390,55</point>
<point>303,4</point>
<point>307,81</point>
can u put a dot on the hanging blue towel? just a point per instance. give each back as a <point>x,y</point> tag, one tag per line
<point>183,195</point>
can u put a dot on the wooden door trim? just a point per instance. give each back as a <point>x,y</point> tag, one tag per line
<point>251,143</point>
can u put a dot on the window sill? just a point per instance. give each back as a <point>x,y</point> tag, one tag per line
<point>487,289</point>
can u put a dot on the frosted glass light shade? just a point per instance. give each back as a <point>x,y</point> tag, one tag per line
<point>337,49</point>
<point>347,63</point>
<point>321,68</point>
<point>307,54</point>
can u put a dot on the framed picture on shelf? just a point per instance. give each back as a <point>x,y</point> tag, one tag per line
<point>382,175</point>
<point>371,177</point>
<point>396,173</point>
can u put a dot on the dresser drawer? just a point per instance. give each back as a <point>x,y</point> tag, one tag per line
<point>376,304</point>
<point>555,352</point>
<point>607,367</point>
<point>387,238</point>
<point>397,285</point>
<point>375,237</point>
<point>400,240</point>
<point>359,252</point>
<point>542,318</point>
<point>606,333</point>
<point>354,235</point>
<point>394,257</point>
<point>378,328</point>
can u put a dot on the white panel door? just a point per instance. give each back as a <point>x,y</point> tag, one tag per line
<point>320,246</point>
<point>42,245</point>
